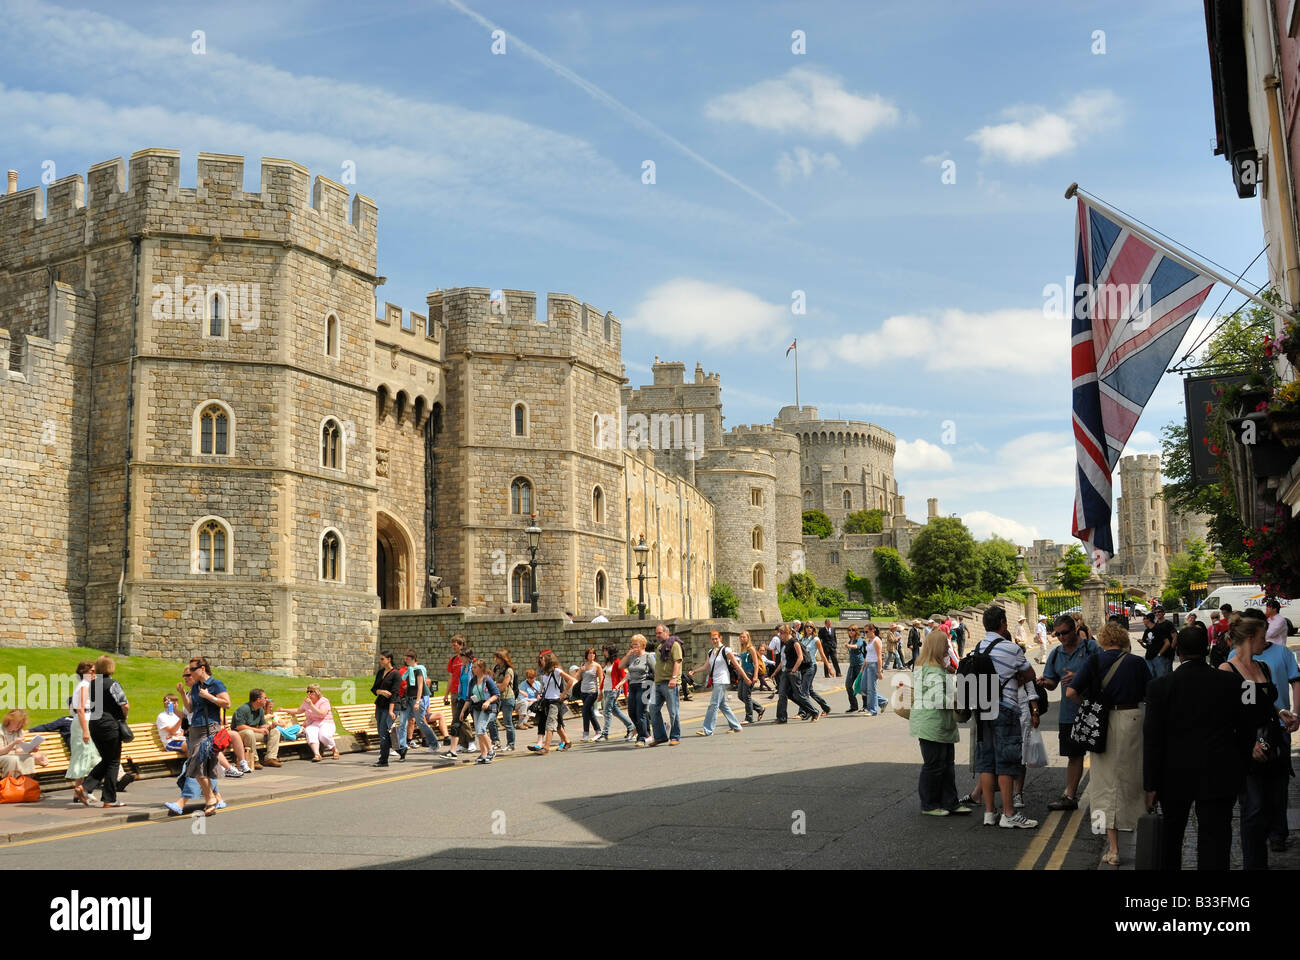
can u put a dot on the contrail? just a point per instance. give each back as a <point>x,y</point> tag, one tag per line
<point>621,108</point>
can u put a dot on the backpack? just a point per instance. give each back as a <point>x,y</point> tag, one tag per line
<point>407,686</point>
<point>973,668</point>
<point>731,670</point>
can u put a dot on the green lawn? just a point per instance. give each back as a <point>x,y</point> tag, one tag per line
<point>146,680</point>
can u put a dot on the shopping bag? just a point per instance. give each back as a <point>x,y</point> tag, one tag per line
<point>1035,750</point>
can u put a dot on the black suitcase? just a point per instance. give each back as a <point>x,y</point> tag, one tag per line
<point>1150,841</point>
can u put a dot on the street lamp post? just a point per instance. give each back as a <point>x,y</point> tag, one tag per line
<point>640,549</point>
<point>534,540</point>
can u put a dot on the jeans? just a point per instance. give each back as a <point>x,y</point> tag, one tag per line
<point>790,688</point>
<point>746,693</point>
<point>589,719</point>
<point>1160,666</point>
<point>611,707</point>
<point>1258,814</point>
<point>937,784</point>
<point>854,669</point>
<point>718,701</point>
<point>665,694</point>
<point>383,723</point>
<point>806,678</point>
<point>507,721</point>
<point>872,702</point>
<point>637,696</point>
<point>404,710</point>
<point>421,710</point>
<point>893,657</point>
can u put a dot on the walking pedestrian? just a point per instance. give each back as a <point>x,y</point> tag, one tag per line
<point>751,673</point>
<point>873,702</point>
<point>855,647</point>
<point>1119,680</point>
<point>385,690</point>
<point>773,661</point>
<point>615,682</point>
<point>555,685</point>
<point>590,676</point>
<point>419,689</point>
<point>893,643</point>
<point>958,636</point>
<point>808,673</point>
<point>830,644</point>
<point>83,754</point>
<point>1269,771</point>
<point>719,663</point>
<point>640,686</point>
<point>205,700</point>
<point>668,676</point>
<point>483,699</point>
<point>318,723</point>
<point>503,672</point>
<point>934,724</point>
<point>913,643</point>
<point>789,686</point>
<point>1040,634</point>
<point>110,710</point>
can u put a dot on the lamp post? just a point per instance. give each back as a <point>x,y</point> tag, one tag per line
<point>641,550</point>
<point>534,540</point>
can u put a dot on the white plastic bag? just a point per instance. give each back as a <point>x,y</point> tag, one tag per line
<point>1035,753</point>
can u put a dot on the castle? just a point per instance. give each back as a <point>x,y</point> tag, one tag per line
<point>215,439</point>
<point>1149,532</point>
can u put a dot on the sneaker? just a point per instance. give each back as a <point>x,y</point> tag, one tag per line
<point>965,801</point>
<point>244,767</point>
<point>701,733</point>
<point>650,741</point>
<point>509,748</point>
<point>603,736</point>
<point>1018,802</point>
<point>585,739</point>
<point>855,710</point>
<point>534,747</point>
<point>233,772</point>
<point>642,743</point>
<point>631,735</point>
<point>449,755</point>
<point>1064,803</point>
<point>491,755</point>
<point>674,743</point>
<point>401,756</point>
<point>937,812</point>
<point>1018,821</point>
<point>961,808</point>
<point>482,759</point>
<point>990,819</point>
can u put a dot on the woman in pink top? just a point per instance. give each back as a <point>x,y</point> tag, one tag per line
<point>318,719</point>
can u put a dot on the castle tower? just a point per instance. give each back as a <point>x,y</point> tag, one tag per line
<point>528,405</point>
<point>231,435</point>
<point>1142,558</point>
<point>683,418</point>
<point>741,484</point>
<point>786,452</point>
<point>931,509</point>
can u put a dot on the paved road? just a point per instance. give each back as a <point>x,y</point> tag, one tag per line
<point>838,793</point>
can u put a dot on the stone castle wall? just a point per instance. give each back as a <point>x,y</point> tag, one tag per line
<point>741,484</point>
<point>678,522</point>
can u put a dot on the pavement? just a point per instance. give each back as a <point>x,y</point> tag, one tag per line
<point>837,793</point>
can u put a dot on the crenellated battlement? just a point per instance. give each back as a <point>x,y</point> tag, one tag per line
<point>485,320</point>
<point>117,200</point>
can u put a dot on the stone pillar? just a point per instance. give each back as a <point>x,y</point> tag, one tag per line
<point>1031,608</point>
<point>1218,577</point>
<point>1093,600</point>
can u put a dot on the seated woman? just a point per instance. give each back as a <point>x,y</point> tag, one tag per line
<point>318,713</point>
<point>435,719</point>
<point>15,760</point>
<point>169,726</point>
<point>529,691</point>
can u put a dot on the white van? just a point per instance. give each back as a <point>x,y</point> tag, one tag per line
<point>1246,595</point>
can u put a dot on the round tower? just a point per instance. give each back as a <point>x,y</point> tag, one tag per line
<point>741,483</point>
<point>787,456</point>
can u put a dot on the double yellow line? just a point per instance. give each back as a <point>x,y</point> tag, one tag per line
<point>1047,830</point>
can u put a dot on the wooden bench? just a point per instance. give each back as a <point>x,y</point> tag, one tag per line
<point>358,719</point>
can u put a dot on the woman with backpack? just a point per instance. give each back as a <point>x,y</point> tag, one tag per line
<point>590,677</point>
<point>555,685</point>
<point>720,664</point>
<point>483,699</point>
<point>751,674</point>
<point>615,681</point>
<point>1119,680</point>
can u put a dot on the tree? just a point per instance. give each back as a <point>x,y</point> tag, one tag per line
<point>817,523</point>
<point>830,597</point>
<point>1073,569</point>
<point>803,587</point>
<point>865,521</point>
<point>1191,566</point>
<point>723,601</point>
<point>859,585</point>
<point>892,573</point>
<point>943,555</point>
<point>999,564</point>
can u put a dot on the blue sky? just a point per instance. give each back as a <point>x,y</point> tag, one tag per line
<point>774,172</point>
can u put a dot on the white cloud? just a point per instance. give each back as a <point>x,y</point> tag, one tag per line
<point>935,159</point>
<point>1032,133</point>
<point>803,162</point>
<point>712,315</point>
<point>805,102</point>
<point>919,456</point>
<point>1000,341</point>
<point>983,525</point>
<point>1032,461</point>
<point>1142,441</point>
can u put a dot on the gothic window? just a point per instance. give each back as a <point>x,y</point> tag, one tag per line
<point>597,506</point>
<point>521,420</point>
<point>521,496</point>
<point>211,546</point>
<point>758,576</point>
<point>331,444</point>
<point>755,496</point>
<point>332,336</point>
<point>848,500</point>
<point>521,584</point>
<point>601,599</point>
<point>756,538</point>
<point>807,500</point>
<point>331,556</point>
<point>214,430</point>
<point>218,315</point>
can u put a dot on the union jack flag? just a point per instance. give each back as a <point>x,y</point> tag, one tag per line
<point>1132,305</point>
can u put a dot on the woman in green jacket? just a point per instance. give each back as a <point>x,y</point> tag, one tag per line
<point>934,724</point>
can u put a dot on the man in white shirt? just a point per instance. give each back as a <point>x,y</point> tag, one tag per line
<point>1040,635</point>
<point>1277,624</point>
<point>999,752</point>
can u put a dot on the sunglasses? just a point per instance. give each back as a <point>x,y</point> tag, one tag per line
<point>1059,634</point>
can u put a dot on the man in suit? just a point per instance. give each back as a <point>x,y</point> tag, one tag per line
<point>830,646</point>
<point>1196,740</point>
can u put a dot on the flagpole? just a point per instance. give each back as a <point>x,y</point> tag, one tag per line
<point>796,373</point>
<point>1189,261</point>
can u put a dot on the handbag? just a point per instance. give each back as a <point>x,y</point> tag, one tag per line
<point>124,731</point>
<point>19,789</point>
<point>1089,728</point>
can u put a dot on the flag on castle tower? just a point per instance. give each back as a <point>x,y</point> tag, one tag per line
<point>793,343</point>
<point>1133,301</point>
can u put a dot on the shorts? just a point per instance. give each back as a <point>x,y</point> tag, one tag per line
<point>554,715</point>
<point>1067,747</point>
<point>1001,744</point>
<point>482,720</point>
<point>176,745</point>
